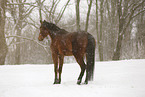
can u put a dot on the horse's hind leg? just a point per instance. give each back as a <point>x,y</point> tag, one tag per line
<point>61,57</point>
<point>82,66</point>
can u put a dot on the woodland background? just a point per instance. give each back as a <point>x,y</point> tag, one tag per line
<point>117,25</point>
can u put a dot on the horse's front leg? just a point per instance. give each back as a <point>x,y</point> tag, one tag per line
<point>61,58</point>
<point>55,61</point>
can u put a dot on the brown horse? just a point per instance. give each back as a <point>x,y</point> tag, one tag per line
<point>63,44</point>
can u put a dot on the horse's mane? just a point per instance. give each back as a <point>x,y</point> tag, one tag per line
<point>54,28</point>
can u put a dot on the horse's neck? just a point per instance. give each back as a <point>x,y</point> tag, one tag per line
<point>52,35</point>
<point>60,32</point>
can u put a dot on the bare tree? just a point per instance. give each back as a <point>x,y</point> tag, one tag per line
<point>126,13</point>
<point>19,14</point>
<point>99,33</point>
<point>88,15</point>
<point>78,15</point>
<point>140,35</point>
<point>39,3</point>
<point>109,28</point>
<point>3,45</point>
<point>62,12</point>
<point>51,13</point>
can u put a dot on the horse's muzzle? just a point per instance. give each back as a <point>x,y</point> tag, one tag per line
<point>40,38</point>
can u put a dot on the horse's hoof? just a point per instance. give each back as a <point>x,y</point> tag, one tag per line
<point>86,83</point>
<point>79,82</point>
<point>57,82</point>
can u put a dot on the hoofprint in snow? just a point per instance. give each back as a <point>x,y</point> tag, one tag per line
<point>112,79</point>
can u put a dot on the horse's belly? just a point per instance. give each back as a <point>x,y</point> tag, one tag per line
<point>66,52</point>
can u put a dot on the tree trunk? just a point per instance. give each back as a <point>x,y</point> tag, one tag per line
<point>3,45</point>
<point>18,33</point>
<point>99,33</point>
<point>116,55</point>
<point>88,14</point>
<point>78,15</point>
<point>101,30</point>
<point>40,9</point>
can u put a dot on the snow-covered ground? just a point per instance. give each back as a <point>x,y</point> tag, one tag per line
<point>112,79</point>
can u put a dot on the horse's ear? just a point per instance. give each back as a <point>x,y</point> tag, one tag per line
<point>44,20</point>
<point>41,21</point>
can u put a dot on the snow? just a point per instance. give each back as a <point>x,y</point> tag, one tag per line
<point>125,78</point>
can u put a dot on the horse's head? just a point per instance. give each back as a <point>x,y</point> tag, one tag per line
<point>44,31</point>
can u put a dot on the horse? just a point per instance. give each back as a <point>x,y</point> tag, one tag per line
<point>64,43</point>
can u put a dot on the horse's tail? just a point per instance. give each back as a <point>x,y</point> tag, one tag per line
<point>90,56</point>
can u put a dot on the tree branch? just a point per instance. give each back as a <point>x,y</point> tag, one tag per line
<point>130,15</point>
<point>32,4</point>
<point>26,38</point>
<point>61,13</point>
<point>138,13</point>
